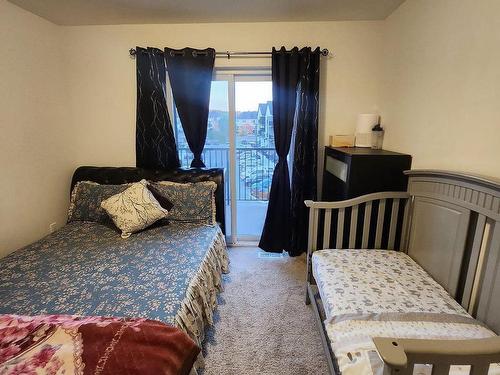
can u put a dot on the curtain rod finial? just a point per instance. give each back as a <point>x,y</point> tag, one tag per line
<point>132,52</point>
<point>325,52</point>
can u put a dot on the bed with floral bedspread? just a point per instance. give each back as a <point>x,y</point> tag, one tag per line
<point>167,273</point>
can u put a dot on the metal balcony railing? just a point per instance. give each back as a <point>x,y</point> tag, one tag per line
<point>254,169</point>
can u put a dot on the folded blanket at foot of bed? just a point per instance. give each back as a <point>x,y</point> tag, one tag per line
<point>66,344</point>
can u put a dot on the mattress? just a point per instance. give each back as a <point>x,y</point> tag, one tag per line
<point>380,293</point>
<point>169,273</point>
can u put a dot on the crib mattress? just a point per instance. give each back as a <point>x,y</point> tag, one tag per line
<point>381,293</point>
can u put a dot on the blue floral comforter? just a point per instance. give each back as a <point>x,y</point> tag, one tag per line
<point>85,268</point>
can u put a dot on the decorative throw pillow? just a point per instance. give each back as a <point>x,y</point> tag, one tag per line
<point>86,199</point>
<point>192,202</point>
<point>163,201</point>
<point>134,209</point>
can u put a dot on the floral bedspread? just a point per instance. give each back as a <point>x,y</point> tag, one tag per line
<point>168,273</point>
<point>64,344</point>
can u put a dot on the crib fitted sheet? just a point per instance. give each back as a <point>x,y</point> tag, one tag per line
<point>381,293</point>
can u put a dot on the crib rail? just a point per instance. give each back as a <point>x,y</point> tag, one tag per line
<point>360,221</point>
<point>401,355</point>
<point>354,205</point>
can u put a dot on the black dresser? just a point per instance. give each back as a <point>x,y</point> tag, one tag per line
<point>353,171</point>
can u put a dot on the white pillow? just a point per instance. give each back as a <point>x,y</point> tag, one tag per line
<point>134,209</point>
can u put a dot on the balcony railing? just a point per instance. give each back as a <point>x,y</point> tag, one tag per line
<point>254,169</point>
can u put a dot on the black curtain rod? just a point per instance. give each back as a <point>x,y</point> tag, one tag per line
<point>229,54</point>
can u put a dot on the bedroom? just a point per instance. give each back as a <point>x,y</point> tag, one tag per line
<point>68,97</point>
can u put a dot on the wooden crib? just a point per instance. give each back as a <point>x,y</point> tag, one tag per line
<point>449,223</point>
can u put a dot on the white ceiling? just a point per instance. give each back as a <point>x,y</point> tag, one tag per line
<point>108,12</point>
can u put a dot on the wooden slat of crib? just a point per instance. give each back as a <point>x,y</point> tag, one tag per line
<point>491,261</point>
<point>380,224</point>
<point>405,228</point>
<point>479,369</point>
<point>394,222</point>
<point>326,232</point>
<point>354,225</point>
<point>310,229</point>
<point>440,369</point>
<point>366,225</point>
<point>313,228</point>
<point>340,228</point>
<point>473,262</point>
<point>312,241</point>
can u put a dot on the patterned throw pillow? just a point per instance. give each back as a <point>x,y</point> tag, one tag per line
<point>86,199</point>
<point>163,201</point>
<point>134,209</point>
<point>192,202</point>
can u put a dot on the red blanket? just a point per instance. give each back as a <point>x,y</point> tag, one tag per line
<point>64,344</point>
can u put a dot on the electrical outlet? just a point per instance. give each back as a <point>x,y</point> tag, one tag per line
<point>52,227</point>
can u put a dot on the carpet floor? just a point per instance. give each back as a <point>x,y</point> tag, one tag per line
<point>262,325</point>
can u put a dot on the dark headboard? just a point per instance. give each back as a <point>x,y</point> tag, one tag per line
<point>122,175</point>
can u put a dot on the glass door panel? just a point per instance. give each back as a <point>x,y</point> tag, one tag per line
<point>217,144</point>
<point>240,139</point>
<point>254,151</point>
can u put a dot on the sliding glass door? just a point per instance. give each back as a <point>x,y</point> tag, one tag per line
<point>254,152</point>
<point>240,139</point>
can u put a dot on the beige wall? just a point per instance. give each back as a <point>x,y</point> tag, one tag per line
<point>441,84</point>
<point>79,83</point>
<point>67,94</point>
<point>102,79</point>
<point>35,140</point>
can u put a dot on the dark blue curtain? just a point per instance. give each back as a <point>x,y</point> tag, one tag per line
<point>305,154</point>
<point>190,73</point>
<point>295,76</point>
<point>154,142</point>
<point>285,76</point>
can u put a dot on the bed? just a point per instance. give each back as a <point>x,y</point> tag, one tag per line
<point>409,282</point>
<point>170,274</point>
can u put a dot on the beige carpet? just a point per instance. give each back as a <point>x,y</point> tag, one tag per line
<point>262,324</point>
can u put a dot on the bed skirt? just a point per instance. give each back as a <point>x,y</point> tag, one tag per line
<point>197,308</point>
